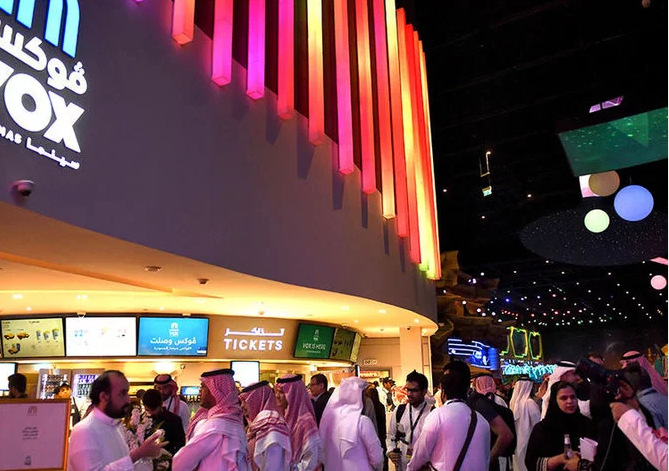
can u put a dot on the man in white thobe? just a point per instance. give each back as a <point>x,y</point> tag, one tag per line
<point>526,414</point>
<point>97,442</point>
<point>403,433</point>
<point>217,443</point>
<point>169,392</point>
<point>445,429</point>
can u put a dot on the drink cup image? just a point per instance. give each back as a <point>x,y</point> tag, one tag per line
<point>47,335</point>
<point>38,334</point>
<point>18,347</point>
<point>55,333</point>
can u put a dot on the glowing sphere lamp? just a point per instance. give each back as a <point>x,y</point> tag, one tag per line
<point>658,282</point>
<point>604,184</point>
<point>596,221</point>
<point>633,203</point>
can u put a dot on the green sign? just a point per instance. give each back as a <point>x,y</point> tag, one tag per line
<point>313,341</point>
<point>342,345</point>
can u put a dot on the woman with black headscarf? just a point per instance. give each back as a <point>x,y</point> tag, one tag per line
<point>545,450</point>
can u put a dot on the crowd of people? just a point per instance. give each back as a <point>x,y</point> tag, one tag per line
<point>581,417</point>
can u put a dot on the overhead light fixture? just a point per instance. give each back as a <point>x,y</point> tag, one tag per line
<point>17,296</point>
<point>152,268</point>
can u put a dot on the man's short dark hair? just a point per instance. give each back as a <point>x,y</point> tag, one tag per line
<point>455,381</point>
<point>102,384</point>
<point>321,379</point>
<point>418,378</point>
<point>152,399</point>
<point>56,391</point>
<point>18,382</point>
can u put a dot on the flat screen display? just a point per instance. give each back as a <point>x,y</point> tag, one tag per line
<point>246,372</point>
<point>342,344</point>
<point>313,341</point>
<point>6,369</point>
<point>475,353</point>
<point>356,347</point>
<point>173,336</point>
<point>101,336</point>
<point>29,338</point>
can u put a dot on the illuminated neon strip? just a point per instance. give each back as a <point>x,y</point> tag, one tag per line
<point>383,107</point>
<point>344,112</point>
<point>7,6</point>
<point>286,63</point>
<point>433,273</point>
<point>221,51</point>
<point>419,163</point>
<point>366,99</point>
<point>410,150</point>
<point>401,194</point>
<point>26,11</point>
<point>513,346</point>
<point>183,20</point>
<point>255,71</point>
<point>541,346</point>
<point>316,83</point>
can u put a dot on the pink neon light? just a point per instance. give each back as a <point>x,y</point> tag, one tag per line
<point>316,83</point>
<point>366,99</point>
<point>183,21</point>
<point>344,111</point>
<point>405,40</point>
<point>383,106</point>
<point>221,51</point>
<point>255,72</point>
<point>286,73</point>
<point>401,193</point>
<point>661,260</point>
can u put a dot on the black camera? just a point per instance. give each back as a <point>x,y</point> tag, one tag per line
<point>400,436</point>
<point>609,379</point>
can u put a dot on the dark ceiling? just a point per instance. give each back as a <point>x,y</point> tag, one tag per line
<point>503,76</point>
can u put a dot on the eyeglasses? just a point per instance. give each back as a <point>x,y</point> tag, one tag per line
<point>413,390</point>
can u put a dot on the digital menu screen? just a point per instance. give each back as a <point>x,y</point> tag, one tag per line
<point>101,336</point>
<point>174,336</point>
<point>246,372</point>
<point>342,344</point>
<point>313,341</point>
<point>29,338</point>
<point>356,347</point>
<point>6,370</point>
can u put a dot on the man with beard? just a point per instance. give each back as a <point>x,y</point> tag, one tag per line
<point>169,392</point>
<point>97,442</point>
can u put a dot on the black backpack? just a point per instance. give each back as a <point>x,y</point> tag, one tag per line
<point>505,413</point>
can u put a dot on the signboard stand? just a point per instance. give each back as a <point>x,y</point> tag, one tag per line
<point>33,434</point>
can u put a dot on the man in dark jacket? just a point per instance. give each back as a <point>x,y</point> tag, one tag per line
<point>318,387</point>
<point>165,420</point>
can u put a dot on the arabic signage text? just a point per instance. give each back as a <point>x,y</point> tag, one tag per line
<point>247,338</point>
<point>173,336</point>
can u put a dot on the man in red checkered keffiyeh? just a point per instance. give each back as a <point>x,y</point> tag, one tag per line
<point>267,434</point>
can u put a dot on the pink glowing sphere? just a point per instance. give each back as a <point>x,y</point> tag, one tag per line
<point>658,282</point>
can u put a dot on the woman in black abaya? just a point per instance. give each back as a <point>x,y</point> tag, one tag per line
<point>545,450</point>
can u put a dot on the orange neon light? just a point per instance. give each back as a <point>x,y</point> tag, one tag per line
<point>286,64</point>
<point>183,21</point>
<point>383,106</point>
<point>433,273</point>
<point>221,50</point>
<point>366,99</point>
<point>316,81</point>
<point>401,193</point>
<point>421,167</point>
<point>344,111</point>
<point>255,70</point>
<point>410,146</point>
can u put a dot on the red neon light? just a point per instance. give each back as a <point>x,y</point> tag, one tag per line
<point>410,148</point>
<point>286,73</point>
<point>221,50</point>
<point>183,21</point>
<point>383,106</point>
<point>255,71</point>
<point>344,112</point>
<point>401,192</point>
<point>434,274</point>
<point>366,99</point>
<point>316,83</point>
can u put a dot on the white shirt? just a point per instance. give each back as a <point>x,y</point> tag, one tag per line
<point>634,426</point>
<point>383,396</point>
<point>311,456</point>
<point>273,458</point>
<point>216,445</point>
<point>365,455</point>
<point>443,436</point>
<point>184,411</point>
<point>97,443</point>
<point>412,416</point>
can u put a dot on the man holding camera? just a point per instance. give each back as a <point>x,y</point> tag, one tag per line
<point>407,421</point>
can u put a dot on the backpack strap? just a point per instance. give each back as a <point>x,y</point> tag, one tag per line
<point>399,412</point>
<point>470,434</point>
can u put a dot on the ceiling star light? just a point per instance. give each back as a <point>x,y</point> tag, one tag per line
<point>604,184</point>
<point>596,221</point>
<point>633,203</point>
